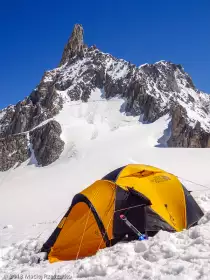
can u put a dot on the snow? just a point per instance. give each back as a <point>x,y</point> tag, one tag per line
<point>197,116</point>
<point>33,159</point>
<point>8,226</point>
<point>142,65</point>
<point>2,114</point>
<point>118,71</point>
<point>50,75</point>
<point>99,138</point>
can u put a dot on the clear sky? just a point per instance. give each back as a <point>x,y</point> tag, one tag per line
<point>33,34</point>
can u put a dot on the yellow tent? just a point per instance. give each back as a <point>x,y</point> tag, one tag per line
<point>150,198</point>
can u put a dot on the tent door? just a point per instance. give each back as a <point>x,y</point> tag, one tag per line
<point>132,205</point>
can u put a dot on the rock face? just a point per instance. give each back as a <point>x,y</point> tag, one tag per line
<point>13,150</point>
<point>46,143</point>
<point>43,103</point>
<point>149,91</point>
<point>183,135</point>
<point>75,45</point>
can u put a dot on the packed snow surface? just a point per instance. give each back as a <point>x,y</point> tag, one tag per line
<point>99,137</point>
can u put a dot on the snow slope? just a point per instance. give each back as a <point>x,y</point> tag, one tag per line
<point>99,139</point>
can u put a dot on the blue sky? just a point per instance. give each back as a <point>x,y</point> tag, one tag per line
<point>33,35</point>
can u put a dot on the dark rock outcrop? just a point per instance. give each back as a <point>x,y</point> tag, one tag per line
<point>13,150</point>
<point>45,140</point>
<point>46,143</point>
<point>184,135</point>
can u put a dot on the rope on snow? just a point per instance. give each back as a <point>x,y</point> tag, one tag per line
<point>198,184</point>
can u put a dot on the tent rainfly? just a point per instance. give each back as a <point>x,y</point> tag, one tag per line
<point>151,199</point>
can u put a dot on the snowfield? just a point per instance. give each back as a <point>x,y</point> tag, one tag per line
<point>99,137</point>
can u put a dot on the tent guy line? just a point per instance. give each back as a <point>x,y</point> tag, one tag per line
<point>198,184</point>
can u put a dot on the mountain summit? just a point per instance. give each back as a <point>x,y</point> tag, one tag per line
<point>149,92</point>
<point>75,44</point>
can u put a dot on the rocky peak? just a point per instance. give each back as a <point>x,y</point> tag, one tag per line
<point>149,91</point>
<point>75,45</point>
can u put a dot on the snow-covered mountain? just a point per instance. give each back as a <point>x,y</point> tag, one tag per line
<point>148,92</point>
<point>91,115</point>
